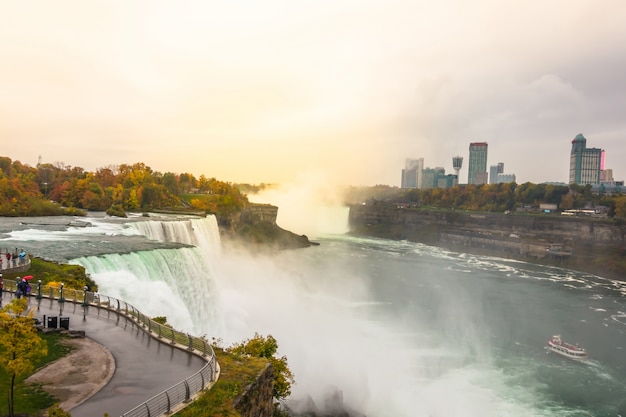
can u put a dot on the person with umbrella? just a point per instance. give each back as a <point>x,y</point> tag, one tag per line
<point>27,279</point>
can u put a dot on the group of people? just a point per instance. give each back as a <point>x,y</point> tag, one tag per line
<point>14,257</point>
<point>22,287</point>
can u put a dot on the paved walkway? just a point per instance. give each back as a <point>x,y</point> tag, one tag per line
<point>144,366</point>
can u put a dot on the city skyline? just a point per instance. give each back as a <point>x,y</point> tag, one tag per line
<point>587,166</point>
<point>278,91</point>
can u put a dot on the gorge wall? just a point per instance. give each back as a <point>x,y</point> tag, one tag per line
<point>591,245</point>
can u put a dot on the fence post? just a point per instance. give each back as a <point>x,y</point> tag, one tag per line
<point>187,394</point>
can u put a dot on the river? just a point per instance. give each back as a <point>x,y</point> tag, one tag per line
<point>399,329</point>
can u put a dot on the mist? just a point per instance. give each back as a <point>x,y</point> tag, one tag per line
<point>311,205</point>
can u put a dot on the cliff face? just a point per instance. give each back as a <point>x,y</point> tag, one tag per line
<point>257,398</point>
<point>591,245</point>
<point>256,226</point>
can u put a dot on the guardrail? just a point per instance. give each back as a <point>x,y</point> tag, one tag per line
<point>173,398</point>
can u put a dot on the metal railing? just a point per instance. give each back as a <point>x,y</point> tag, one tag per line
<point>172,398</point>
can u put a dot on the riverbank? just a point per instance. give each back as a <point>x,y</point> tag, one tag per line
<point>595,246</point>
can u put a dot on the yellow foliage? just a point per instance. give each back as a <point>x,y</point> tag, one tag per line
<point>19,341</point>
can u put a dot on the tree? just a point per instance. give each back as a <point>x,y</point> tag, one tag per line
<point>20,344</point>
<point>266,347</point>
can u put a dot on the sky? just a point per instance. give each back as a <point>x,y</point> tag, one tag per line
<point>272,91</point>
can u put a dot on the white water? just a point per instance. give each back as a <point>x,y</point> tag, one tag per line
<point>324,307</point>
<point>325,319</point>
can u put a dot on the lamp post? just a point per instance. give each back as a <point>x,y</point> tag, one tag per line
<point>61,299</point>
<point>39,289</point>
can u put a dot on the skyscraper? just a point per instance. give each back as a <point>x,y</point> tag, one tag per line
<point>412,173</point>
<point>585,163</point>
<point>494,170</point>
<point>477,169</point>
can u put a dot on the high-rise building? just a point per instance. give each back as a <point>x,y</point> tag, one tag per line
<point>412,173</point>
<point>431,177</point>
<point>477,169</point>
<point>494,170</point>
<point>585,163</point>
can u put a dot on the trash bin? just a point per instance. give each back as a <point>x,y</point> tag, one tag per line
<point>64,323</point>
<point>52,322</point>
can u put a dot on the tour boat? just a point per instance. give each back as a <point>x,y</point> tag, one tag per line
<point>557,345</point>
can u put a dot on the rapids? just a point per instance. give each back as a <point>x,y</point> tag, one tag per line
<point>398,328</point>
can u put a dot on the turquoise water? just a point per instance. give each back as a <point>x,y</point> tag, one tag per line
<point>400,329</point>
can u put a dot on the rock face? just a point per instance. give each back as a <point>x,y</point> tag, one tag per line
<point>257,226</point>
<point>257,399</point>
<point>593,245</point>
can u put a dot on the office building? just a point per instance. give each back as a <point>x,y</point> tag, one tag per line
<point>477,169</point>
<point>494,170</point>
<point>585,163</point>
<point>412,173</point>
<point>504,178</point>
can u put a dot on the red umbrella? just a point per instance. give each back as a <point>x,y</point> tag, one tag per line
<point>27,277</point>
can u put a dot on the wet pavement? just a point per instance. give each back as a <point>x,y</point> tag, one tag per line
<point>144,366</point>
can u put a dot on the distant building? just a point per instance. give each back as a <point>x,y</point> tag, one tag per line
<point>431,176</point>
<point>412,173</point>
<point>477,169</point>
<point>504,178</point>
<point>494,170</point>
<point>606,176</point>
<point>457,163</point>
<point>448,181</point>
<point>585,163</point>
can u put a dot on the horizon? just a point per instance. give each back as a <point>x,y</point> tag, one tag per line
<point>277,92</point>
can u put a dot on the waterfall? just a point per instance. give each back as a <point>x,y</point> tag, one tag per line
<point>178,283</point>
<point>202,233</point>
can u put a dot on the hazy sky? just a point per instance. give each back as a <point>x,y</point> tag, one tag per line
<point>268,91</point>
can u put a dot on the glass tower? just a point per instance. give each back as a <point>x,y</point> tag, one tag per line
<point>477,168</point>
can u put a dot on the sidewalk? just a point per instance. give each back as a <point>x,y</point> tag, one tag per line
<point>144,367</point>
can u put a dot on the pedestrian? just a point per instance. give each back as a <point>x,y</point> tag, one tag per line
<point>18,287</point>
<point>23,288</point>
<point>1,285</point>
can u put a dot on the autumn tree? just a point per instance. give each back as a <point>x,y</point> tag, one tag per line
<point>266,347</point>
<point>20,344</point>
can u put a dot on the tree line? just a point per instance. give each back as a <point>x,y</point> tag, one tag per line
<point>495,197</point>
<point>55,189</point>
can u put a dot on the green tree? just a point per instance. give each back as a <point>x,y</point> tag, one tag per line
<point>20,344</point>
<point>620,207</point>
<point>266,347</point>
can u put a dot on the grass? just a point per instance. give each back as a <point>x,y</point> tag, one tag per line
<point>236,373</point>
<point>73,276</point>
<point>32,399</point>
